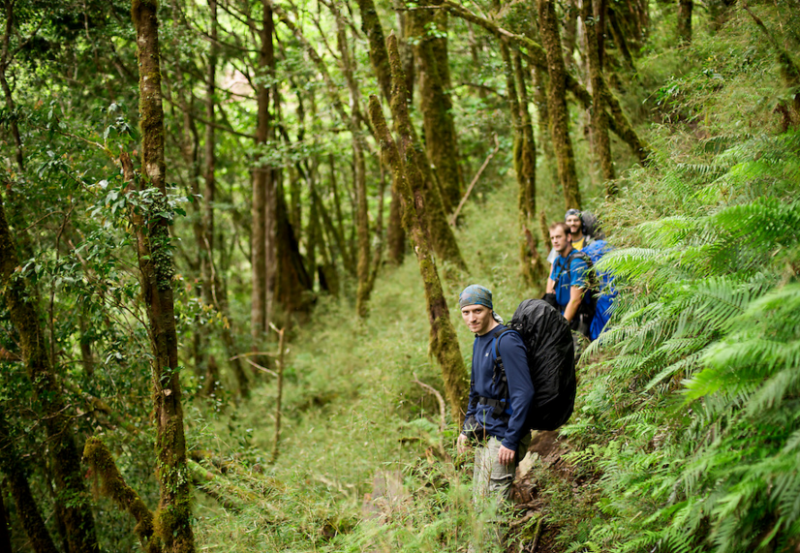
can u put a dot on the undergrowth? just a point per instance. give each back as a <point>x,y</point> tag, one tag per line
<point>686,434</point>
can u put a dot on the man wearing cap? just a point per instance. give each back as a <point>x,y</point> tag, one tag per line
<point>496,421</point>
<point>578,239</point>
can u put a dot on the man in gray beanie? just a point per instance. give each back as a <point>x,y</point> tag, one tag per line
<point>497,410</point>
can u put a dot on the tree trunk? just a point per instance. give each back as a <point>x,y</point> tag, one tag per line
<point>395,234</point>
<point>5,531</point>
<point>524,164</point>
<point>620,38</point>
<point>570,32</point>
<point>292,283</point>
<point>67,474</point>
<point>442,237</point>
<point>329,278</point>
<point>371,25</point>
<point>405,163</point>
<point>527,195</point>
<point>359,171</point>
<point>27,509</point>
<point>115,488</point>
<point>173,517</point>
<point>338,230</point>
<point>262,188</point>
<point>557,104</point>
<point>602,143</point>
<point>600,14</point>
<point>437,109</point>
<point>685,8</point>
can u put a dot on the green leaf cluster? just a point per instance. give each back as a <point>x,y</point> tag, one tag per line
<point>693,424</point>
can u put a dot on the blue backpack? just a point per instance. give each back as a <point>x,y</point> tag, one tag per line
<point>605,293</point>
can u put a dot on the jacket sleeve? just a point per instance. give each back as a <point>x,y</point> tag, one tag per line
<point>520,387</point>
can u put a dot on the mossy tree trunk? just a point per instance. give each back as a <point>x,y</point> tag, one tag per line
<point>407,166</point>
<point>538,57</point>
<point>524,164</point>
<point>789,71</point>
<point>534,268</point>
<point>620,37</point>
<point>557,104</point>
<point>352,122</point>
<point>113,486</point>
<point>371,25</point>
<point>601,140</point>
<point>28,512</point>
<point>442,238</point>
<point>378,56</point>
<point>359,171</point>
<point>600,15</point>
<point>437,108</point>
<point>685,8</point>
<point>570,24</point>
<point>72,501</point>
<point>5,533</point>
<point>173,517</point>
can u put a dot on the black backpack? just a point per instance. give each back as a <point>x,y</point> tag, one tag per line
<point>551,362</point>
<point>591,226</point>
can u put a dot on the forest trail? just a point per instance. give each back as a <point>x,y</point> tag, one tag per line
<point>183,182</point>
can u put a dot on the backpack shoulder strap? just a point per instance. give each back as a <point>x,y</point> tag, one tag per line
<point>580,255</point>
<point>497,336</point>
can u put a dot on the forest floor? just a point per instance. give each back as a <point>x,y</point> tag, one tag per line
<point>364,463</point>
<point>354,417</point>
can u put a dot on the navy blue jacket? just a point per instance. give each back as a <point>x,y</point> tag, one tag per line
<point>513,352</point>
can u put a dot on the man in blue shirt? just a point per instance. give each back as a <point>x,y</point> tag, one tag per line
<point>502,436</point>
<point>567,278</point>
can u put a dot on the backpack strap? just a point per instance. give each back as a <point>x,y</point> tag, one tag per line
<point>501,407</point>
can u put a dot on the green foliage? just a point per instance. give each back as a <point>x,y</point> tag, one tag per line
<point>690,416</point>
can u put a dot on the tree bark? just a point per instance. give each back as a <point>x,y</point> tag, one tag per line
<point>524,164</point>
<point>620,38</point>
<point>173,517</point>
<point>359,172</point>
<point>5,531</point>
<point>5,61</point>
<point>263,188</point>
<point>602,143</point>
<point>600,14</point>
<point>292,283</point>
<point>405,162</point>
<point>570,32</point>
<point>441,141</point>
<point>71,497</point>
<point>27,510</point>
<point>533,267</point>
<point>685,8</point>
<point>371,25</point>
<point>538,58</point>
<point>557,104</point>
<point>442,237</point>
<point>113,486</point>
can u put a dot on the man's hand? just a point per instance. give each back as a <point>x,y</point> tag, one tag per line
<point>506,456</point>
<point>463,444</point>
